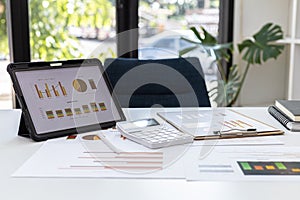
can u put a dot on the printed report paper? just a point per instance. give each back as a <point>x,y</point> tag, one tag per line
<point>243,163</point>
<point>85,155</point>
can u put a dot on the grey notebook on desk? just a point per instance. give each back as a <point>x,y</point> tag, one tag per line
<point>283,119</point>
<point>290,108</point>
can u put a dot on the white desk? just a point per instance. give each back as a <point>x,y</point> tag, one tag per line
<point>15,150</point>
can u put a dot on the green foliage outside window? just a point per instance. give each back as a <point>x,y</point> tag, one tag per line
<point>50,21</point>
<point>3,30</point>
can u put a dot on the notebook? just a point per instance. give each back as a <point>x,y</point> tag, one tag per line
<point>291,108</point>
<point>283,119</point>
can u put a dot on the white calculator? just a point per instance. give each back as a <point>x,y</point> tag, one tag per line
<point>151,134</point>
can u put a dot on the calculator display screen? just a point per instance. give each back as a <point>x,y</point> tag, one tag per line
<point>145,123</point>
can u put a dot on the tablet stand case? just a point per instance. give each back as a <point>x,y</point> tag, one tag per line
<point>23,131</point>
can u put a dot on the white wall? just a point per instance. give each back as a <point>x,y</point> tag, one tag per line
<point>266,82</point>
<point>294,46</point>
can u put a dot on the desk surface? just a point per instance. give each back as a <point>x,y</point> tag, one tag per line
<point>14,151</point>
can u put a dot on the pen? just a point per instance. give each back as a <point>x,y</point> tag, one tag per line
<point>238,129</point>
<point>238,132</point>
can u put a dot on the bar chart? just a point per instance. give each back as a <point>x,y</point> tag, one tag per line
<point>50,90</point>
<point>77,111</point>
<point>269,168</point>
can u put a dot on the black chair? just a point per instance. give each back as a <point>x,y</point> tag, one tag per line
<point>177,82</point>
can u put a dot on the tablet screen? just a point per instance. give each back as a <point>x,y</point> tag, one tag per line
<point>65,98</point>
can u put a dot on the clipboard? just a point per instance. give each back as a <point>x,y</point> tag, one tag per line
<point>218,123</point>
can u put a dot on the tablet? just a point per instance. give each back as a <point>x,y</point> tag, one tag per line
<point>64,97</point>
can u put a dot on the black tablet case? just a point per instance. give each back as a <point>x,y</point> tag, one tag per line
<point>23,128</point>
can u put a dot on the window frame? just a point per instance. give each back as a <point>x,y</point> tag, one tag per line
<point>127,28</point>
<point>18,22</point>
<point>226,17</point>
<point>226,26</point>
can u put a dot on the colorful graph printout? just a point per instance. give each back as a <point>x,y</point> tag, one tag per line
<point>270,168</point>
<point>91,137</point>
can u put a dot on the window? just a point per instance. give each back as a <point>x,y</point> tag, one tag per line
<point>63,29</point>
<point>5,84</point>
<point>167,43</point>
<point>67,29</point>
<point>163,24</point>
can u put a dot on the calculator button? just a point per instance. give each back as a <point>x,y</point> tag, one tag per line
<point>159,137</point>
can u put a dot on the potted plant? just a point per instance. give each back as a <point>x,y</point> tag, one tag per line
<point>255,50</point>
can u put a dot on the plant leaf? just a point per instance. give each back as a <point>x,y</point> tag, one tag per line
<point>261,47</point>
<point>225,91</point>
<point>197,34</point>
<point>208,39</point>
<point>190,41</point>
<point>186,50</point>
<point>210,43</point>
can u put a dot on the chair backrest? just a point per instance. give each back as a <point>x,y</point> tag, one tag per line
<point>177,82</point>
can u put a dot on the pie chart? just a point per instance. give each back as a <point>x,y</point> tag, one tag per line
<point>91,137</point>
<point>79,85</point>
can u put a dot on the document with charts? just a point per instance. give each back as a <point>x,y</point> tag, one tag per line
<point>218,123</point>
<point>245,163</point>
<point>87,156</point>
